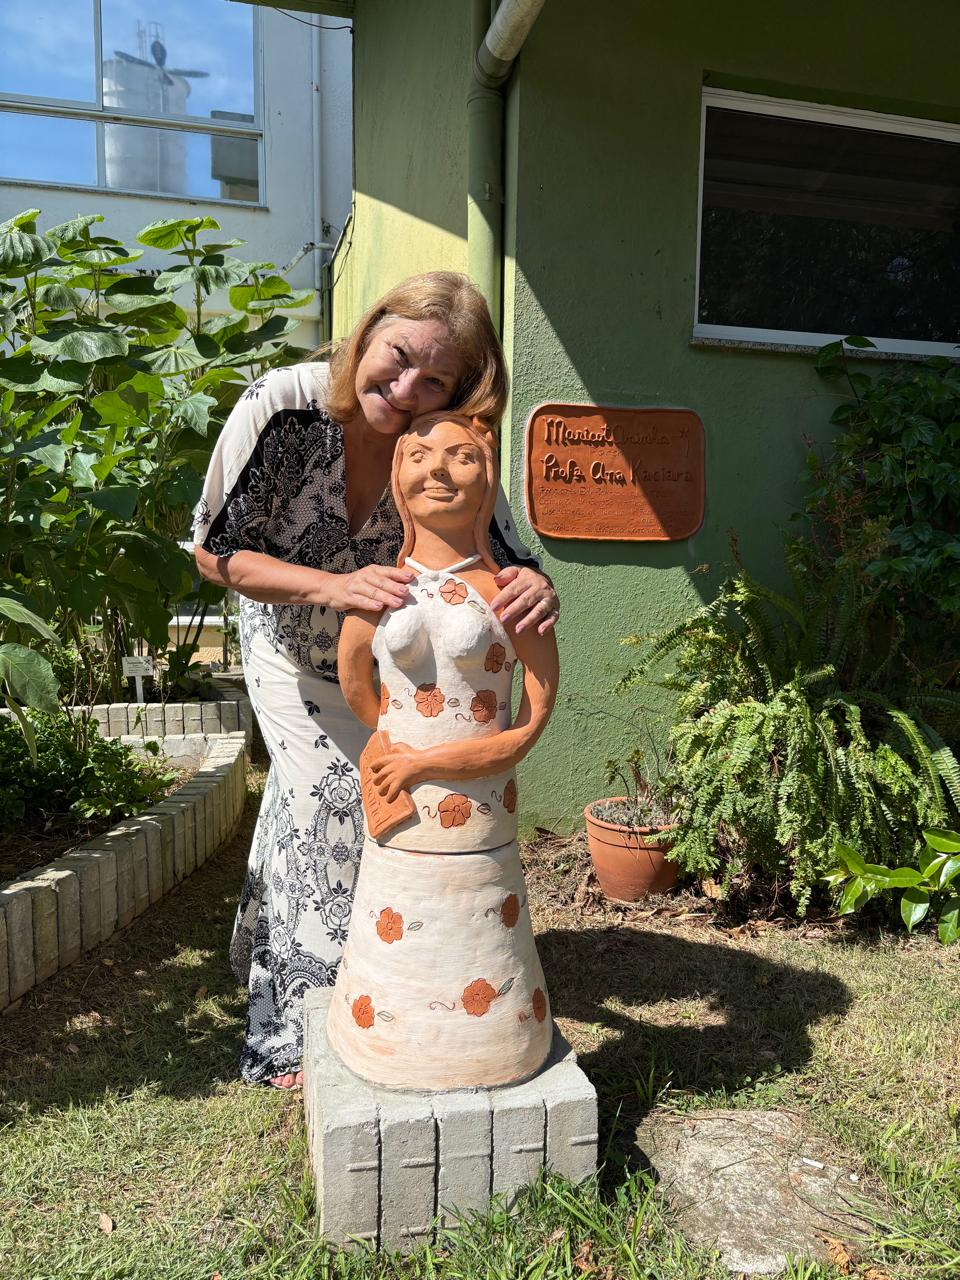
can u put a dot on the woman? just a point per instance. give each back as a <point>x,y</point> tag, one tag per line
<point>297,517</point>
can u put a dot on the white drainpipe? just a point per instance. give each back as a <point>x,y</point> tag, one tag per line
<point>493,61</point>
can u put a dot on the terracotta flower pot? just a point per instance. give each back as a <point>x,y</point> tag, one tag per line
<point>627,866</point>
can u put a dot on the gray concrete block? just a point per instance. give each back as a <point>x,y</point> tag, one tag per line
<point>46,940</point>
<point>519,1138</point>
<point>4,964</point>
<point>166,825</point>
<point>347,1166</point>
<point>17,908</point>
<point>86,869</point>
<point>117,720</point>
<point>210,720</point>
<point>229,717</point>
<point>106,860</point>
<point>151,830</point>
<point>245,709</point>
<point>464,1153</point>
<point>155,720</point>
<point>173,718</point>
<point>123,850</point>
<point>137,840</point>
<point>408,1182</point>
<point>66,886</point>
<point>571,1105</point>
<point>171,812</point>
<point>192,717</point>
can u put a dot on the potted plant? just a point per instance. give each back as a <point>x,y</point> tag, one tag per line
<point>628,835</point>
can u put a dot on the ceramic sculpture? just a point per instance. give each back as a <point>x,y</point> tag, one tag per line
<point>440,986</point>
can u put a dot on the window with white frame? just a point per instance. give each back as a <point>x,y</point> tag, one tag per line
<point>140,96</point>
<point>819,222</point>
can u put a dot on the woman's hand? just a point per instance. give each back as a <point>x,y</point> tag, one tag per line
<point>527,596</point>
<point>373,588</point>
<point>398,770</point>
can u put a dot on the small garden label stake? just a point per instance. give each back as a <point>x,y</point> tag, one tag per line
<point>441,986</point>
<point>136,668</point>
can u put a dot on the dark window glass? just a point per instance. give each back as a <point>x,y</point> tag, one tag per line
<point>823,228</point>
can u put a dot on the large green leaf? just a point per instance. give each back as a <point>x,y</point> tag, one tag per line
<point>851,859</point>
<point>194,411</point>
<point>134,293</point>
<point>22,250</point>
<point>29,677</point>
<point>59,297</point>
<point>19,613</point>
<point>103,252</point>
<point>914,905</point>
<point>119,500</point>
<point>75,228</point>
<point>948,928</point>
<point>177,359</point>
<point>215,271</point>
<point>948,873</point>
<point>86,344</point>
<point>942,840</point>
<point>169,233</point>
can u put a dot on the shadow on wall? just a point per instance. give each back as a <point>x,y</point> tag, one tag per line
<point>736,1015</point>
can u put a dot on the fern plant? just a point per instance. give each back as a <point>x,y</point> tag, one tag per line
<point>785,740</point>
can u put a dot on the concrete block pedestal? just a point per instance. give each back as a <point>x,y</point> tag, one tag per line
<point>390,1164</point>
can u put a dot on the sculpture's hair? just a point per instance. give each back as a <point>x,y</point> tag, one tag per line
<point>485,440</point>
<point>453,301</point>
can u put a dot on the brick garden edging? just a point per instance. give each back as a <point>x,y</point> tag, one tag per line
<point>49,918</point>
<point>230,713</point>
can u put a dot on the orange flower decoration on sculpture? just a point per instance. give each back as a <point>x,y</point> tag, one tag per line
<point>429,700</point>
<point>539,1005</point>
<point>510,796</point>
<point>484,706</point>
<point>384,699</point>
<point>453,592</point>
<point>454,810</point>
<point>496,657</point>
<point>362,1011</point>
<point>478,997</point>
<point>510,911</point>
<point>390,925</point>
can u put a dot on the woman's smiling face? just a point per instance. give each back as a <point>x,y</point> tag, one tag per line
<point>409,367</point>
<point>442,475</point>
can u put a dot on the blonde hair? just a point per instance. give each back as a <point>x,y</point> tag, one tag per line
<point>483,438</point>
<point>453,301</point>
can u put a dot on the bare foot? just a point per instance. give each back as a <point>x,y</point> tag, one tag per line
<point>289,1080</point>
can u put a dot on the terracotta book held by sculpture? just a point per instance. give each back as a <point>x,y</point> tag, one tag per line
<point>383,815</point>
<point>440,985</point>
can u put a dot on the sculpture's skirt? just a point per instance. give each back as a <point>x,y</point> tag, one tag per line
<point>440,986</point>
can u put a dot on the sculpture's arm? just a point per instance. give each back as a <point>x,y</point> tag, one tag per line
<point>403,767</point>
<point>355,665</point>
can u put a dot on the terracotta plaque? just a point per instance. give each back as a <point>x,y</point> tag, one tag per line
<point>614,475</point>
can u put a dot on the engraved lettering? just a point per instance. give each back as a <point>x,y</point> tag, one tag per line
<point>567,472</point>
<point>602,475</point>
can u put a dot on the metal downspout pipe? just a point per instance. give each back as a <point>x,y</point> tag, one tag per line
<point>497,44</point>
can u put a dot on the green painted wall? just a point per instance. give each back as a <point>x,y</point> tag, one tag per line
<point>604,123</point>
<point>411,63</point>
<point>603,137</point>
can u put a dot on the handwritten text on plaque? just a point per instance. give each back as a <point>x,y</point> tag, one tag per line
<point>604,474</point>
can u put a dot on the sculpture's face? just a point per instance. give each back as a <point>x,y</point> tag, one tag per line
<point>442,475</point>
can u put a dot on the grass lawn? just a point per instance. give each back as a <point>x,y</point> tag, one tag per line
<point>130,1149</point>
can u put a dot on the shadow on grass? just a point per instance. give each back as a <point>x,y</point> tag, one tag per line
<point>156,1006</point>
<point>737,1016</point>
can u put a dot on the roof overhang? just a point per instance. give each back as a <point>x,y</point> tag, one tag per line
<point>332,8</point>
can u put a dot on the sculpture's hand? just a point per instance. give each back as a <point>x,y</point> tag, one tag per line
<point>527,598</point>
<point>398,770</point>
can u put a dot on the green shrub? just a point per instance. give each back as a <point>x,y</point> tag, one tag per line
<point>113,388</point>
<point>776,757</point>
<point>90,778</point>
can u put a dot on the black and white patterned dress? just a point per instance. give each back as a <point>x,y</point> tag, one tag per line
<point>276,484</point>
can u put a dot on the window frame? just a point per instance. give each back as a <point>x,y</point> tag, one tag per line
<point>95,112</point>
<point>851,117</point>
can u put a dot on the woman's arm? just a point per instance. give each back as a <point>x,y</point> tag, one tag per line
<point>404,766</point>
<point>265,578</point>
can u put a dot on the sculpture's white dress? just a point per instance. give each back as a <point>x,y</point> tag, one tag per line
<point>440,986</point>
